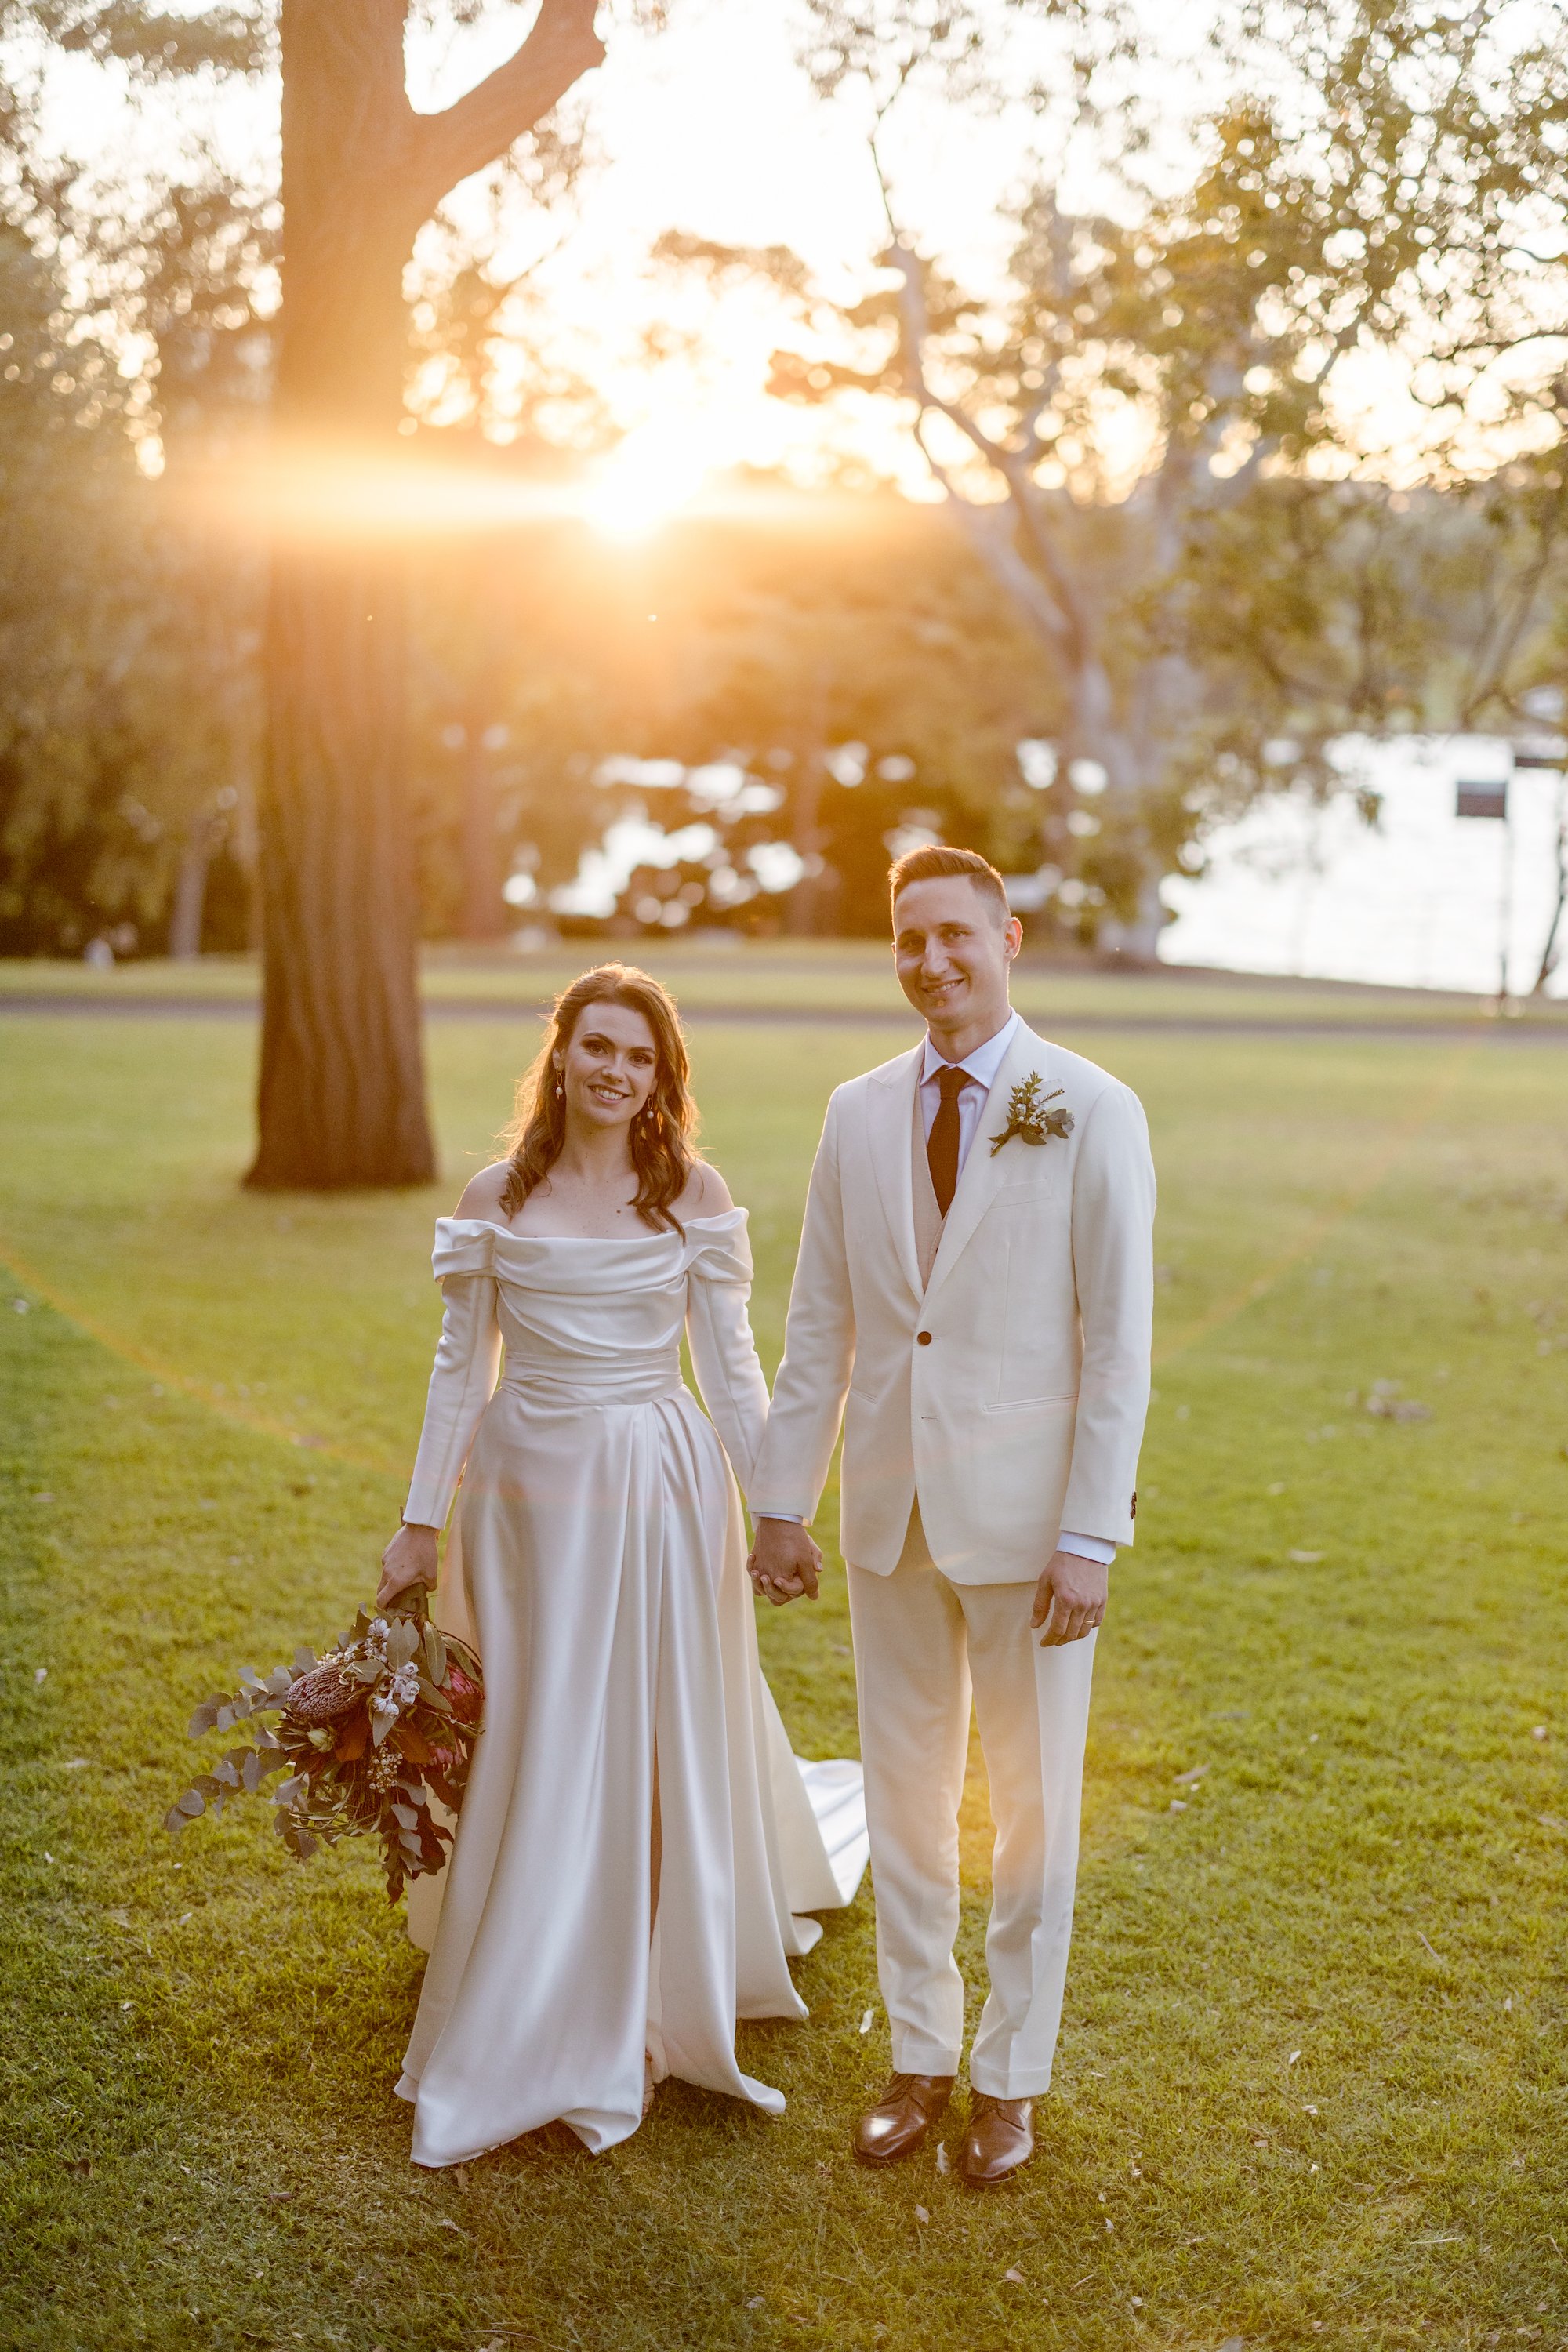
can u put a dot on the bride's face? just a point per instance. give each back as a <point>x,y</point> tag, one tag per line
<point>609,1067</point>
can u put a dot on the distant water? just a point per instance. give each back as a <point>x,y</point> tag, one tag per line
<point>1422,898</point>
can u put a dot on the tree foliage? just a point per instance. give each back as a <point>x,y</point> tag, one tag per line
<point>1150,424</point>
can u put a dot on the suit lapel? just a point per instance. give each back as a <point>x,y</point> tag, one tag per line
<point>982,1175</point>
<point>889,1110</point>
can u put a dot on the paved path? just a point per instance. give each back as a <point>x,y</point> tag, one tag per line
<point>487,1008</point>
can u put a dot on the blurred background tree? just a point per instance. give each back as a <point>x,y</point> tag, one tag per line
<point>1150,428</point>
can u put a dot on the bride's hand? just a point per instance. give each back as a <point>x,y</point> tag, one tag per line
<point>409,1558</point>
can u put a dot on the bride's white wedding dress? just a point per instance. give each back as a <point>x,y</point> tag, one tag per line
<point>599,1567</point>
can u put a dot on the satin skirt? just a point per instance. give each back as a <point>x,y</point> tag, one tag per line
<point>599,1566</point>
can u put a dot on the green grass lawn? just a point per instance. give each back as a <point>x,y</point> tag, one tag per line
<point>1312,2083</point>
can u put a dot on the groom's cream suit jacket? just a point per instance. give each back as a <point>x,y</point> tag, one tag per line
<point>1008,1390</point>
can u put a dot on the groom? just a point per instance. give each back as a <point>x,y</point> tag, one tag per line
<point>976,1283</point>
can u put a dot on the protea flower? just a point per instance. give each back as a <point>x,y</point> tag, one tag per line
<point>468,1697</point>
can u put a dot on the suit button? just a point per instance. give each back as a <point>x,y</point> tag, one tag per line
<point>922,1339</point>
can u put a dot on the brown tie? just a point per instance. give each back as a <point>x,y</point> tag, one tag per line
<point>942,1144</point>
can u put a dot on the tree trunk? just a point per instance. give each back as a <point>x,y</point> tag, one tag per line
<point>190,892</point>
<point>340,1098</point>
<point>342,1095</point>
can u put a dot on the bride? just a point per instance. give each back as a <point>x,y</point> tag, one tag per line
<point>637,1837</point>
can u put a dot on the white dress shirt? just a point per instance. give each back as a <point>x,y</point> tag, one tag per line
<point>981,1067</point>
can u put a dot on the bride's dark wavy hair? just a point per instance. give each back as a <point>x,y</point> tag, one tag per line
<point>662,1146</point>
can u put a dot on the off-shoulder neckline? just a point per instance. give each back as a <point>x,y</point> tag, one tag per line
<point>510,1232</point>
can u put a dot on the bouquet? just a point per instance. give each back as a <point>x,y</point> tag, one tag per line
<point>368,1733</point>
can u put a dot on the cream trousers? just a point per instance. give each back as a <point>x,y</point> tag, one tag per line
<point>921,1646</point>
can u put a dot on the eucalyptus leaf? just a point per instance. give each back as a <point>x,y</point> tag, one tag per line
<point>251,1771</point>
<point>174,1820</point>
<point>192,1803</point>
<point>304,1659</point>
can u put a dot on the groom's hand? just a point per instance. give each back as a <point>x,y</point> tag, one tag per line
<point>1069,1599</point>
<point>784,1561</point>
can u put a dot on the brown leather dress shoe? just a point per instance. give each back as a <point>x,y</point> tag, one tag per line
<point>997,2139</point>
<point>903,2117</point>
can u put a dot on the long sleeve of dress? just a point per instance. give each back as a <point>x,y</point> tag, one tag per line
<point>467,1359</point>
<point>724,1357</point>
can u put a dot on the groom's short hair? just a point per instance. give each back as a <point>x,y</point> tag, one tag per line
<point>936,862</point>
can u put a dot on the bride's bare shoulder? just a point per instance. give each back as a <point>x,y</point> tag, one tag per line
<point>706,1194</point>
<point>481,1194</point>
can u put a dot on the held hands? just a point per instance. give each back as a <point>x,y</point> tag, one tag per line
<point>784,1562</point>
<point>1069,1599</point>
<point>409,1558</point>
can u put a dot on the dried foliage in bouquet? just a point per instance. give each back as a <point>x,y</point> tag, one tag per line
<point>368,1733</point>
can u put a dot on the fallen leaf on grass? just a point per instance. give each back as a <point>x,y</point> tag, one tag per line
<point>1189,1779</point>
<point>279,2195</point>
<point>1178,1805</point>
<point>920,2213</point>
<point>865,2020</point>
<point>1385,1403</point>
<point>1436,1954</point>
<point>75,1764</point>
<point>1292,2058</point>
<point>942,2164</point>
<point>1013,2278</point>
<point>40,1673</point>
<point>447,2222</point>
<point>755,2302</point>
<point>1307,1559</point>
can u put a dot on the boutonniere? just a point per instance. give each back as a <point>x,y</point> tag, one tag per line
<point>1029,1116</point>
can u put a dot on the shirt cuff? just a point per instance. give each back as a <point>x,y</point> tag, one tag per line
<point>1095,1548</point>
<point>790,1518</point>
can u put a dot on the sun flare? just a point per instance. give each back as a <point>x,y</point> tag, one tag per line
<point>656,472</point>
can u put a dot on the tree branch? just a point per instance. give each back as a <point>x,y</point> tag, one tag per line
<point>474,130</point>
<point>990,532</point>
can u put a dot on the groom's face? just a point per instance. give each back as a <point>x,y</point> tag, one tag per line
<point>952,947</point>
